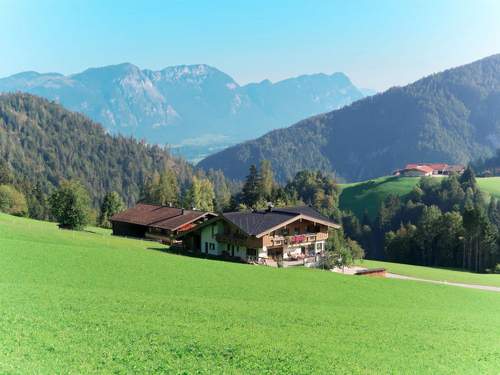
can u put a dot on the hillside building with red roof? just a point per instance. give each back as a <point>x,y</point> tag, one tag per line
<point>428,169</point>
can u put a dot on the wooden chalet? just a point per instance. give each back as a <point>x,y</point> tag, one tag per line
<point>162,223</point>
<point>292,233</point>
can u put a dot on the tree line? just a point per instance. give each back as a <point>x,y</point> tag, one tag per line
<point>444,222</point>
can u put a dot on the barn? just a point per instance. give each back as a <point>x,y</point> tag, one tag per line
<point>155,222</point>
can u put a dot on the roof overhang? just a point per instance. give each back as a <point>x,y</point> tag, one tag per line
<point>202,215</point>
<point>298,217</point>
<point>199,226</point>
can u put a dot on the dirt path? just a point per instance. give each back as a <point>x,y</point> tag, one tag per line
<point>471,286</point>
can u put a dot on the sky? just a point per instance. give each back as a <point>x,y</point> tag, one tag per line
<point>377,43</point>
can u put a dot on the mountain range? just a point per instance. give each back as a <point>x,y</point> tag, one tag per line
<point>195,109</point>
<point>451,117</point>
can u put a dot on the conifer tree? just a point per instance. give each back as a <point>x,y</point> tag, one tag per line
<point>250,191</point>
<point>266,181</point>
<point>111,205</point>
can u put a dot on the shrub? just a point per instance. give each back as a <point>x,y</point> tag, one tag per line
<point>70,205</point>
<point>12,201</point>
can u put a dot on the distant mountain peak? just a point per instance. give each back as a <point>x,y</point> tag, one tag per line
<point>30,74</point>
<point>182,102</point>
<point>197,73</point>
<point>109,71</point>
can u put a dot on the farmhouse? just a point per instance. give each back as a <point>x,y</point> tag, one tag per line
<point>155,222</point>
<point>429,169</point>
<point>293,233</point>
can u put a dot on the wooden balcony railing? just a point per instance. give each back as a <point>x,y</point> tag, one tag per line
<point>298,239</point>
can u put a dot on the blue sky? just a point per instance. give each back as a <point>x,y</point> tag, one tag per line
<point>378,43</point>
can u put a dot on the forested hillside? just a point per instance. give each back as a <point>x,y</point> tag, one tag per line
<point>197,108</point>
<point>451,117</point>
<point>489,166</point>
<point>41,144</point>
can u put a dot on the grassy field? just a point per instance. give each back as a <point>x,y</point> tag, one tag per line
<point>89,302</point>
<point>439,274</point>
<point>491,185</point>
<point>368,195</point>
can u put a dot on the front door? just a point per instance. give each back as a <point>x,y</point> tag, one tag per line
<point>275,253</point>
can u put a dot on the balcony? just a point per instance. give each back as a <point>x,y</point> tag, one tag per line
<point>297,239</point>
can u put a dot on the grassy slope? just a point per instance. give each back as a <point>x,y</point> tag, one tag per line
<point>368,195</point>
<point>440,274</point>
<point>89,302</point>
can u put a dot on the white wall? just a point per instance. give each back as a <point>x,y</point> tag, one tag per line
<point>207,237</point>
<point>218,248</point>
<point>262,253</point>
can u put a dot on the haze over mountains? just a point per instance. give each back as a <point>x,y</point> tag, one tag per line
<point>196,109</point>
<point>452,117</point>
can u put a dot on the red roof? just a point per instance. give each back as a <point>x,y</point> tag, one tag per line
<point>432,166</point>
<point>162,217</point>
<point>436,168</point>
<point>420,168</point>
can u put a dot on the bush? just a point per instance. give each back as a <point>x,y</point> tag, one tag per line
<point>497,268</point>
<point>342,255</point>
<point>70,205</point>
<point>12,201</point>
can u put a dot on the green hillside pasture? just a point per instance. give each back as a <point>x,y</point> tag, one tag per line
<point>490,185</point>
<point>368,195</point>
<point>439,274</point>
<point>91,303</point>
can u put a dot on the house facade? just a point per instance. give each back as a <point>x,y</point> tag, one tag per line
<point>155,222</point>
<point>274,234</point>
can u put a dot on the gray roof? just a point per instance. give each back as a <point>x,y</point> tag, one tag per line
<point>304,210</point>
<point>258,222</point>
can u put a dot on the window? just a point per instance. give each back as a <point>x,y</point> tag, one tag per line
<point>206,247</point>
<point>284,232</point>
<point>319,246</point>
<point>296,230</point>
<point>212,246</point>
<point>251,252</point>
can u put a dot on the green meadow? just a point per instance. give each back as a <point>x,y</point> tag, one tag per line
<point>437,274</point>
<point>368,195</point>
<point>88,302</point>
